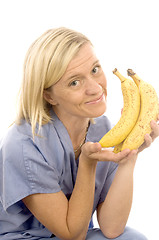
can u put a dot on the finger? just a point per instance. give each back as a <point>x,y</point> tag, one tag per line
<point>90,148</point>
<point>155,129</point>
<point>148,140</point>
<point>107,154</point>
<point>130,157</point>
<point>121,155</point>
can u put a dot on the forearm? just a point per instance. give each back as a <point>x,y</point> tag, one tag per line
<point>114,211</point>
<point>81,202</point>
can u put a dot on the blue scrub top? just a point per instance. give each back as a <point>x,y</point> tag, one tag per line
<point>45,165</point>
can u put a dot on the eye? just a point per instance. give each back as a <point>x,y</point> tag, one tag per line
<point>74,83</point>
<point>96,69</point>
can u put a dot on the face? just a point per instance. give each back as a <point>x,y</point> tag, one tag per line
<point>81,92</point>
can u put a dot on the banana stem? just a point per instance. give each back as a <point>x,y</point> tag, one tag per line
<point>130,72</point>
<point>118,74</point>
<point>134,76</point>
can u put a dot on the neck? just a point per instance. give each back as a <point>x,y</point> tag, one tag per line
<point>77,128</point>
<point>77,131</point>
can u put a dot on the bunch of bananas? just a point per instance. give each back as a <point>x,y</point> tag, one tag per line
<point>140,107</point>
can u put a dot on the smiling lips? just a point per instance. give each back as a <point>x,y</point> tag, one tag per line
<point>96,100</point>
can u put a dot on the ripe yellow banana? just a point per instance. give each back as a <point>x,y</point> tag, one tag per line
<point>148,111</point>
<point>131,98</point>
<point>118,147</point>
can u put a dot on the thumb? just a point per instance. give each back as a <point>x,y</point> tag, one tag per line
<point>89,147</point>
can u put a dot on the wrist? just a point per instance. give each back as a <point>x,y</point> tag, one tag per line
<point>87,162</point>
<point>88,151</point>
<point>127,166</point>
<point>130,160</point>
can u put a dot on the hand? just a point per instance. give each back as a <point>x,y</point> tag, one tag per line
<point>149,138</point>
<point>94,152</point>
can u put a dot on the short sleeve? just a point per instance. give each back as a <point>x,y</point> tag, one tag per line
<point>108,181</point>
<point>24,171</point>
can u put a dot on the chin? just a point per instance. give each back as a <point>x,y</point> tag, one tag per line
<point>99,112</point>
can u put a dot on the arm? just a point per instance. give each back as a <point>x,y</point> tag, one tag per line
<point>113,213</point>
<point>67,219</point>
<point>70,219</point>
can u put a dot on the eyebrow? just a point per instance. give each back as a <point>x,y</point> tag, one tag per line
<point>78,75</point>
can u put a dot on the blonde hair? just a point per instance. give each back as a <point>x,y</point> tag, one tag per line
<point>45,63</point>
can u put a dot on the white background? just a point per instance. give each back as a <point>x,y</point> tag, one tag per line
<point>125,35</point>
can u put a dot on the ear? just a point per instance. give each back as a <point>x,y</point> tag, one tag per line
<point>48,97</point>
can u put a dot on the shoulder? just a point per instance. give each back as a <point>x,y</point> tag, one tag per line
<point>18,134</point>
<point>11,149</point>
<point>18,148</point>
<point>25,163</point>
<point>11,145</point>
<point>19,151</point>
<point>103,122</point>
<point>11,141</point>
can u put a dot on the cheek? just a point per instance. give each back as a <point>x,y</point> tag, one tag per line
<point>75,99</point>
<point>103,83</point>
<point>59,95</point>
<point>69,98</point>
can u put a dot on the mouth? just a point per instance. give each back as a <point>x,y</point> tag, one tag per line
<point>97,100</point>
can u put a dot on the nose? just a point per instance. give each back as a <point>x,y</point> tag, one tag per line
<point>93,87</point>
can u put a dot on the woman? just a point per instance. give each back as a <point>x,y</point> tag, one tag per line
<point>54,174</point>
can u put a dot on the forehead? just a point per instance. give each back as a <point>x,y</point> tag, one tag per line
<point>85,57</point>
